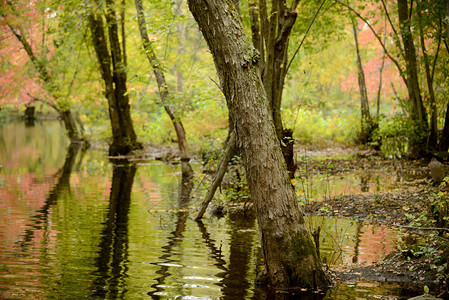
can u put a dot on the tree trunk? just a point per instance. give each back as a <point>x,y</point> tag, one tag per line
<point>379,89</point>
<point>271,40</point>
<point>290,258</point>
<point>70,125</point>
<point>444,141</point>
<point>366,126</point>
<point>113,71</point>
<point>418,113</point>
<point>162,84</point>
<point>433,137</point>
<point>221,170</point>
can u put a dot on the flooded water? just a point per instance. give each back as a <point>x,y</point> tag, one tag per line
<point>74,225</point>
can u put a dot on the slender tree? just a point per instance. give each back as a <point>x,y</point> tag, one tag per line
<point>366,120</point>
<point>161,82</point>
<point>290,258</point>
<point>111,58</point>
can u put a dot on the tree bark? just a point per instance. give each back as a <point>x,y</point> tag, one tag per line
<point>418,114</point>
<point>379,89</point>
<point>113,71</point>
<point>271,40</point>
<point>162,84</point>
<point>290,259</point>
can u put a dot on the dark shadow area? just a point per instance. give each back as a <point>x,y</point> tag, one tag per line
<point>112,257</point>
<point>236,283</point>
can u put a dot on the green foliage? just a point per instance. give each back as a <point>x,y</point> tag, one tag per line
<point>312,126</point>
<point>392,134</point>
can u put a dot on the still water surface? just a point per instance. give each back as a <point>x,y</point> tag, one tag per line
<point>74,225</point>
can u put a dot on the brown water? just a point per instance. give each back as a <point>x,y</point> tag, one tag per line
<point>73,225</point>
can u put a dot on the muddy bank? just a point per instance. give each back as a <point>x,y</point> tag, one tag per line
<point>406,204</point>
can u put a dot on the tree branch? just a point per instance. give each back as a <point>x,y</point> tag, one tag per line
<point>305,35</point>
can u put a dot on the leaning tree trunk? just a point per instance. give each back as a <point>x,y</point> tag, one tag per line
<point>418,113</point>
<point>162,84</point>
<point>290,258</point>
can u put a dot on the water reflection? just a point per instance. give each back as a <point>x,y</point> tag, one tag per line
<point>236,282</point>
<point>40,221</point>
<point>167,259</point>
<point>73,225</point>
<point>113,251</point>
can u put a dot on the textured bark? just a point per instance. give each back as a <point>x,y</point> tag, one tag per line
<point>113,72</point>
<point>271,38</point>
<point>290,259</point>
<point>274,43</point>
<point>418,112</point>
<point>162,84</point>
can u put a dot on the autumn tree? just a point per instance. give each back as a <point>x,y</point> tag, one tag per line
<point>416,65</point>
<point>290,257</point>
<point>10,13</point>
<point>105,27</point>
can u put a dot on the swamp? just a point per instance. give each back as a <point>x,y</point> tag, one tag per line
<point>77,224</point>
<point>212,149</point>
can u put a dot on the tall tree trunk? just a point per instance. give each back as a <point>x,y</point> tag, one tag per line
<point>113,71</point>
<point>290,258</point>
<point>418,113</point>
<point>444,141</point>
<point>162,84</point>
<point>433,137</point>
<point>366,126</point>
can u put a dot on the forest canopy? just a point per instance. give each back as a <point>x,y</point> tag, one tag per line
<point>324,99</point>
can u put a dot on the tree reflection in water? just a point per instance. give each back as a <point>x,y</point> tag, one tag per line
<point>234,283</point>
<point>40,221</point>
<point>176,236</point>
<point>112,257</point>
